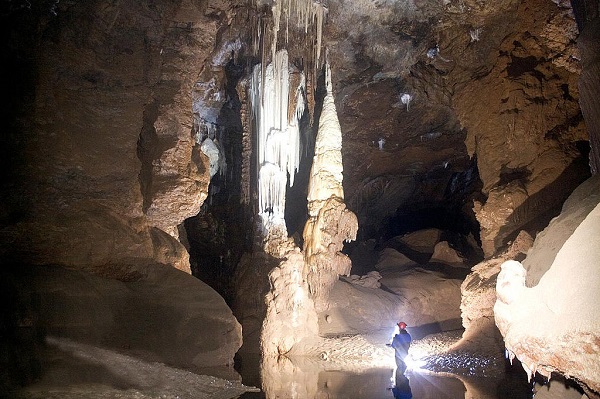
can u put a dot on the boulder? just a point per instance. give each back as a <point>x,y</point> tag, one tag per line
<point>391,260</point>
<point>443,253</point>
<point>159,314</point>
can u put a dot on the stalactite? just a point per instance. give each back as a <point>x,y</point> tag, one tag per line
<point>304,21</point>
<point>277,135</point>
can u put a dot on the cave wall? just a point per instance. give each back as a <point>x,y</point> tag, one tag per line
<point>101,167</point>
<point>588,21</point>
<point>106,147</point>
<point>525,122</point>
<point>495,83</point>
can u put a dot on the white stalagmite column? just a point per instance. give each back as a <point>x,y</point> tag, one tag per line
<point>302,281</point>
<point>326,172</point>
<point>329,223</point>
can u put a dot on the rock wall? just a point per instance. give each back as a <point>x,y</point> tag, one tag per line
<point>102,170</point>
<point>108,136</point>
<point>589,82</point>
<point>478,296</point>
<point>524,122</point>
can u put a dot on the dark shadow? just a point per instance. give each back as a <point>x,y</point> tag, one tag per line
<point>537,211</point>
<point>25,357</point>
<point>223,229</point>
<point>419,332</point>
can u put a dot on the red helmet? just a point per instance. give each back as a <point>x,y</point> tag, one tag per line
<point>402,325</point>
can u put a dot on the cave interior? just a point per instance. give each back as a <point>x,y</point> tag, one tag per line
<point>201,184</point>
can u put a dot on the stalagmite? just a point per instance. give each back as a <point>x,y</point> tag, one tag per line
<point>302,281</point>
<point>330,223</point>
<point>326,173</point>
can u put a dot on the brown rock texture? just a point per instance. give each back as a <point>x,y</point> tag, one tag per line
<point>589,81</point>
<point>106,170</point>
<point>157,313</point>
<point>524,121</point>
<point>108,140</point>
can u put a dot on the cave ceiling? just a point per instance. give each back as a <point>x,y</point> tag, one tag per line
<point>427,95</point>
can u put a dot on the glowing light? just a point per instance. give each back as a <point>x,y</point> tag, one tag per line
<point>413,363</point>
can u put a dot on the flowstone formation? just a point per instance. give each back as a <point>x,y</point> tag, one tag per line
<point>554,326</point>
<point>277,96</point>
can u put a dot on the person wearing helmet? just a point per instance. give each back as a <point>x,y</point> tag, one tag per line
<point>401,343</point>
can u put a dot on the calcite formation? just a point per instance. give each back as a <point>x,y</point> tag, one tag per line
<point>301,283</point>
<point>555,325</point>
<point>330,224</point>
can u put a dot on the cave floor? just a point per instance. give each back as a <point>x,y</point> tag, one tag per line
<point>359,366</point>
<point>362,366</point>
<point>71,370</point>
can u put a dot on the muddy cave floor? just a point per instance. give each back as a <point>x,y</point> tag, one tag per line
<point>359,366</point>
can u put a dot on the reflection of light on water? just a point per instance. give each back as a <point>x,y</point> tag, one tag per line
<point>415,359</point>
<point>413,363</point>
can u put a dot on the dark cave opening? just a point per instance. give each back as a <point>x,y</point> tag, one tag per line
<point>451,214</point>
<point>221,232</point>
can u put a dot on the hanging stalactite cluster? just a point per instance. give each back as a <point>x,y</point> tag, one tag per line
<point>280,92</point>
<point>303,22</point>
<point>278,136</point>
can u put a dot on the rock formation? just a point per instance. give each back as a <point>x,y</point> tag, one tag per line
<point>524,164</point>
<point>103,170</point>
<point>131,125</point>
<point>554,326</point>
<point>478,296</point>
<point>300,285</point>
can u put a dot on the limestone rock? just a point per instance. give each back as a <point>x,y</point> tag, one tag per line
<point>527,172</point>
<point>355,309</point>
<point>548,242</point>
<point>392,260</point>
<point>291,315</point>
<point>91,237</point>
<point>160,314</point>
<point>422,240</point>
<point>555,326</point>
<point>478,296</point>
<point>430,297</point>
<point>330,223</point>
<point>369,280</point>
<point>443,253</point>
<point>499,208</point>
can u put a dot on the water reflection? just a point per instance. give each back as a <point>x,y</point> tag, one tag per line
<point>401,389</point>
<point>313,379</point>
